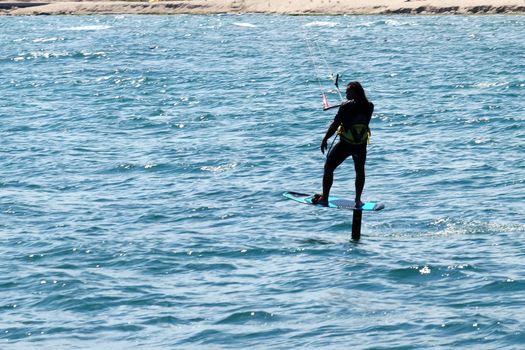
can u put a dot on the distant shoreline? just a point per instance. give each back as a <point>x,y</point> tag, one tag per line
<point>295,7</point>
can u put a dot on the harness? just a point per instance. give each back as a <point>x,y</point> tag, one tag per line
<point>357,134</point>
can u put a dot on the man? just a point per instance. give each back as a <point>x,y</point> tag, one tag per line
<point>351,124</point>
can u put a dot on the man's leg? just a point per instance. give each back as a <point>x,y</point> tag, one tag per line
<point>328,179</point>
<point>359,166</point>
<point>338,154</point>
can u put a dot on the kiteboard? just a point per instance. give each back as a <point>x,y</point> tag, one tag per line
<point>333,202</point>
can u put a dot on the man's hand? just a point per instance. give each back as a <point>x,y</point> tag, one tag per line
<point>324,145</point>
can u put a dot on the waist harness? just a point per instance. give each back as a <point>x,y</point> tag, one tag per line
<point>356,134</point>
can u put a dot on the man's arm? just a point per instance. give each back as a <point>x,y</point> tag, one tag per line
<point>329,133</point>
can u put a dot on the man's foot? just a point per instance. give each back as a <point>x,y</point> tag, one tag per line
<point>319,199</point>
<point>359,203</point>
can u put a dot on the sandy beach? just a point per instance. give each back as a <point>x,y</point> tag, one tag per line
<point>303,7</point>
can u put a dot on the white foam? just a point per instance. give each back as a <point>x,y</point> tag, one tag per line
<point>321,24</point>
<point>93,27</point>
<point>220,168</point>
<point>45,40</point>
<point>246,25</point>
<point>394,23</point>
<point>485,85</point>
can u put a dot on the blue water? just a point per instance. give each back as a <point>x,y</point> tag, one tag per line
<point>143,159</point>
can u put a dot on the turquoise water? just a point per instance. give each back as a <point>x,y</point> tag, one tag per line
<point>143,159</point>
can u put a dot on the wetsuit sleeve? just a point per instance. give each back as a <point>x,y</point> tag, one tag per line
<point>371,112</point>
<point>337,118</point>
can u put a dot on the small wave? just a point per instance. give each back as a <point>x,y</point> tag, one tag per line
<point>411,272</point>
<point>88,28</point>
<point>316,241</point>
<point>152,218</point>
<point>46,40</point>
<point>205,117</point>
<point>92,54</point>
<point>124,167</point>
<point>507,285</point>
<point>482,140</point>
<point>43,54</point>
<point>246,25</point>
<point>207,336</point>
<point>394,23</point>
<point>34,55</point>
<point>209,267</point>
<point>478,120</point>
<point>164,320</point>
<point>248,317</point>
<point>486,85</point>
<point>322,24</point>
<point>446,226</point>
<point>423,273</point>
<point>219,168</point>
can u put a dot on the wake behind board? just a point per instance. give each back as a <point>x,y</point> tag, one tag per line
<point>333,202</point>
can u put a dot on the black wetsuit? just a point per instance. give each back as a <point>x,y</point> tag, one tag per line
<point>350,113</point>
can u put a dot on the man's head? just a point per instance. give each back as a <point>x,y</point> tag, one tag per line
<point>354,91</point>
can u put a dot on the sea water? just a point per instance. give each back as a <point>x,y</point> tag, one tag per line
<point>143,160</point>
